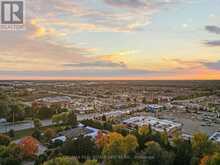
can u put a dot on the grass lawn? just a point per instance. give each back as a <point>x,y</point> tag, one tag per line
<point>29,132</point>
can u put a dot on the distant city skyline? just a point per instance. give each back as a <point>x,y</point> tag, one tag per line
<point>114,39</point>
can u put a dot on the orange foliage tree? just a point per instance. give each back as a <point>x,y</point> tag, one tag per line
<point>29,146</point>
<point>102,139</point>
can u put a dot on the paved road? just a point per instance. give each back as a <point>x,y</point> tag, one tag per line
<point>5,127</point>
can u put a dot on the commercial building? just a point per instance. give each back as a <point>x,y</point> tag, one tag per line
<point>215,137</point>
<point>155,123</point>
<point>154,107</point>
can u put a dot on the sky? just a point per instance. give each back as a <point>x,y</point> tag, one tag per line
<point>114,40</point>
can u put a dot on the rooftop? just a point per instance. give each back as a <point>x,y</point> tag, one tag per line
<point>215,137</point>
<point>157,124</point>
<point>55,99</point>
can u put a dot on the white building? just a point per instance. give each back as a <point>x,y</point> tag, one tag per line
<point>215,137</point>
<point>156,124</point>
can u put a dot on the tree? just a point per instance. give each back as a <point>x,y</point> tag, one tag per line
<point>102,140</point>
<point>4,139</point>
<point>183,151</point>
<point>49,133</point>
<point>214,159</point>
<point>62,161</point>
<point>4,108</point>
<point>37,123</point>
<point>143,134</point>
<point>144,101</point>
<point>121,129</point>
<point>119,148</point>
<point>91,162</point>
<point>71,119</point>
<point>11,133</point>
<point>156,155</point>
<point>204,160</point>
<point>37,134</point>
<point>164,141</point>
<point>201,145</point>
<point>82,147</point>
<point>43,112</point>
<point>5,101</point>
<point>29,146</point>
<point>11,155</point>
<point>16,112</point>
<point>104,118</point>
<point>60,118</point>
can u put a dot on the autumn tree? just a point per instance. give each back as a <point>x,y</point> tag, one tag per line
<point>201,145</point>
<point>49,133</point>
<point>4,139</point>
<point>143,134</point>
<point>119,149</point>
<point>102,140</point>
<point>29,146</point>
<point>211,160</point>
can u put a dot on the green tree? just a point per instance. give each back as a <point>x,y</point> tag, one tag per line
<point>183,151</point>
<point>201,145</point>
<point>4,108</point>
<point>11,155</point>
<point>91,162</point>
<point>82,147</point>
<point>71,118</point>
<point>156,155</point>
<point>37,123</point>
<point>16,112</point>
<point>62,161</point>
<point>61,118</point>
<point>11,133</point>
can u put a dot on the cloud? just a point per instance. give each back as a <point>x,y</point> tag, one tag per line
<point>212,65</point>
<point>103,64</point>
<point>97,16</point>
<point>126,3</point>
<point>38,49</point>
<point>213,29</point>
<point>212,43</point>
<point>80,73</point>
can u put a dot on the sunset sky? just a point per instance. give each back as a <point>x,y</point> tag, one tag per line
<point>114,39</point>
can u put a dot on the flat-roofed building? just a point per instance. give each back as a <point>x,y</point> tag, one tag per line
<point>154,107</point>
<point>155,123</point>
<point>215,137</point>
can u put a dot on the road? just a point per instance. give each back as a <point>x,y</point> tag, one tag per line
<point>5,127</point>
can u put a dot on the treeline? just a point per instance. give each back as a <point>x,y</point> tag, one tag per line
<point>135,147</point>
<point>143,146</point>
<point>13,110</point>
